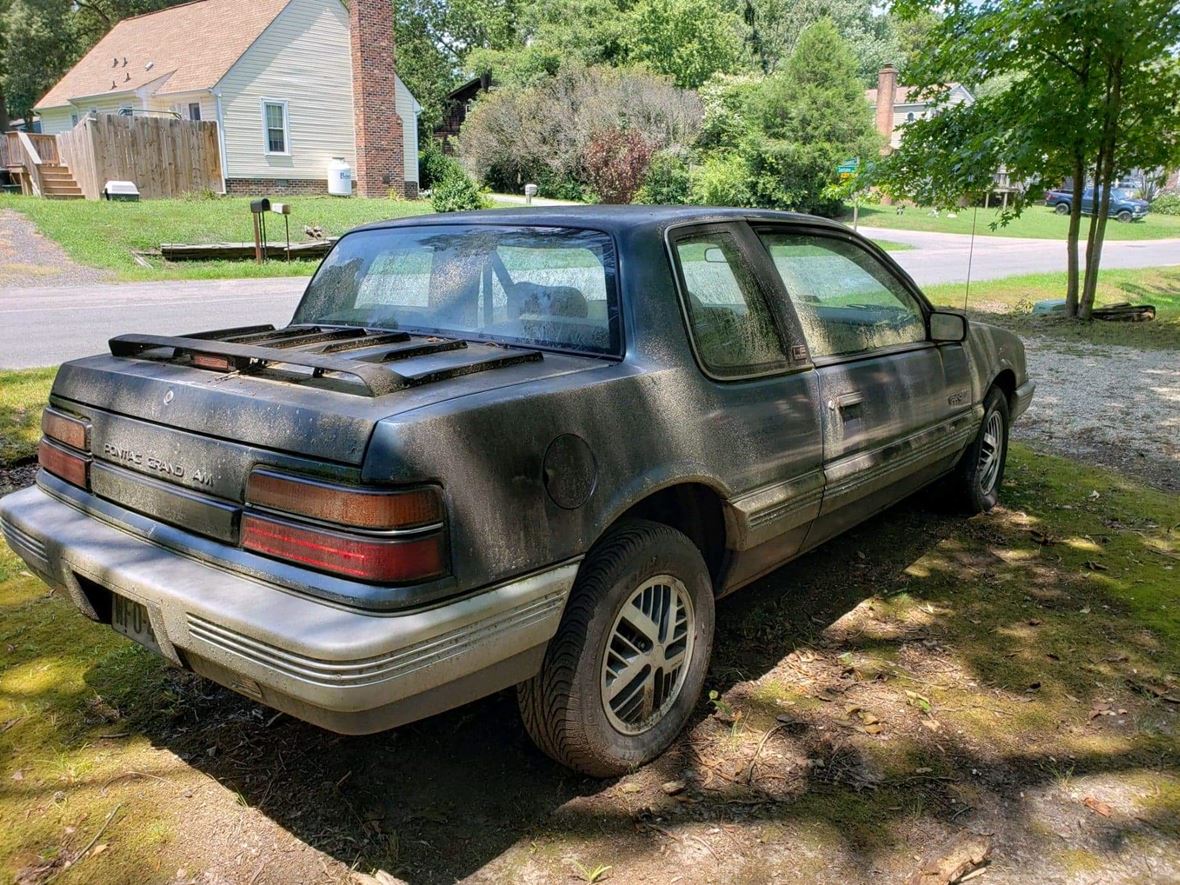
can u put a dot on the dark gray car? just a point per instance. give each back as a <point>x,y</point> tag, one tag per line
<point>509,448</point>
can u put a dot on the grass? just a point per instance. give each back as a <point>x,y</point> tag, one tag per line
<point>23,395</point>
<point>1038,222</point>
<point>1011,628</point>
<point>1008,302</point>
<point>104,235</point>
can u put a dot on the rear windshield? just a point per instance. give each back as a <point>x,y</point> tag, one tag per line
<point>539,286</point>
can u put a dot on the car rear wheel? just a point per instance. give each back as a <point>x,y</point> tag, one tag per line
<point>1061,208</point>
<point>1125,216</point>
<point>625,670</point>
<point>977,479</point>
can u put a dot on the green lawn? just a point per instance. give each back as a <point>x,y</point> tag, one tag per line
<point>1008,302</point>
<point>105,235</point>
<point>1039,222</point>
<point>23,394</point>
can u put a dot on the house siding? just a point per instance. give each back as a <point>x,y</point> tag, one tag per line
<point>303,59</point>
<point>55,120</point>
<point>178,102</point>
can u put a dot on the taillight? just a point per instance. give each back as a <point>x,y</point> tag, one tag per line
<point>376,535</point>
<point>345,505</point>
<point>70,466</point>
<point>74,432</point>
<point>369,559</point>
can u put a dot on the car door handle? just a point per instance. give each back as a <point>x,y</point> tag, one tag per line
<point>846,401</point>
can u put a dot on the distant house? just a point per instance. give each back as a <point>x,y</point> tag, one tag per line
<point>459,102</point>
<point>291,84</point>
<point>894,106</point>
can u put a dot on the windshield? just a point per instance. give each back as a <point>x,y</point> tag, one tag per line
<point>540,286</point>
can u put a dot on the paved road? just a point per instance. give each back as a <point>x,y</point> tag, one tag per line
<point>943,258</point>
<point>44,325</point>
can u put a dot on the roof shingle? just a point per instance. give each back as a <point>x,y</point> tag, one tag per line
<point>192,44</point>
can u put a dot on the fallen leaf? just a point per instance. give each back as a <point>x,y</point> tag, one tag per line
<point>99,849</point>
<point>1098,806</point>
<point>18,775</point>
<point>631,788</point>
<point>674,788</point>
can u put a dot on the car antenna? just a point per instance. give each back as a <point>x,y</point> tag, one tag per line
<point>970,256</point>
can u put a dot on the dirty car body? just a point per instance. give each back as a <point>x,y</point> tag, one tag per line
<point>380,511</point>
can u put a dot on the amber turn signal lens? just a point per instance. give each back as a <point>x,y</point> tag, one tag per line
<point>74,432</point>
<point>74,469</point>
<point>377,561</point>
<point>344,505</point>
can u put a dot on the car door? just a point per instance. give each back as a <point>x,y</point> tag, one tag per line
<point>896,408</point>
<point>762,395</point>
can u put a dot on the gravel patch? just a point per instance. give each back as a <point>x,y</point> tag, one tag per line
<point>29,259</point>
<point>1117,406</point>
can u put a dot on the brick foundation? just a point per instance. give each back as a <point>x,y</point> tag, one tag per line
<point>380,157</point>
<point>266,187</point>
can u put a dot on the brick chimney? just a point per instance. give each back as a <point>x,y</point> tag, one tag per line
<point>380,158</point>
<point>886,98</point>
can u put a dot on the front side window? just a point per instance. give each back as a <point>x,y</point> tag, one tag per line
<point>731,325</point>
<point>846,300</point>
<point>538,286</point>
<point>275,120</point>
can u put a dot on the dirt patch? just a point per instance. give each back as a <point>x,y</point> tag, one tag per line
<point>1111,405</point>
<point>29,259</point>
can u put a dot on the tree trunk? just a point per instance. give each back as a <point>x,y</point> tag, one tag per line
<point>1103,179</point>
<point>1075,225</point>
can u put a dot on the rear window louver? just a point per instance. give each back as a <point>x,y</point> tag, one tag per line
<point>356,353</point>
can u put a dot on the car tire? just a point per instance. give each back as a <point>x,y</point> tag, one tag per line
<point>1125,217</point>
<point>639,567</point>
<point>1061,208</point>
<point>976,481</point>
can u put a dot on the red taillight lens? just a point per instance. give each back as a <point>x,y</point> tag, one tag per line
<point>73,468</point>
<point>369,559</point>
<point>74,432</point>
<point>210,361</point>
<point>359,508</point>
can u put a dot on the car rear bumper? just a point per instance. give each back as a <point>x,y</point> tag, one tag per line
<point>350,671</point>
<point>1022,398</point>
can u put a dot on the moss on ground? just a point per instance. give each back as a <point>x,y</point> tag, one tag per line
<point>23,395</point>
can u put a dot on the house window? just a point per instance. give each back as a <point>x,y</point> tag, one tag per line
<point>73,119</point>
<point>194,111</point>
<point>274,123</point>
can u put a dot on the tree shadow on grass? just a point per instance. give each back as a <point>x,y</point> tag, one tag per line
<point>442,799</point>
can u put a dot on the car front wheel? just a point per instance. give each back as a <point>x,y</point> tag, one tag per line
<point>1125,217</point>
<point>977,479</point>
<point>625,670</point>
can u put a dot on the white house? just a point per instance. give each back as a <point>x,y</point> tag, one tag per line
<point>291,84</point>
<point>894,106</point>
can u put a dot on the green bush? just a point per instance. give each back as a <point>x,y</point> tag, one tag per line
<point>1166,204</point>
<point>722,180</point>
<point>434,166</point>
<point>457,193</point>
<point>668,181</point>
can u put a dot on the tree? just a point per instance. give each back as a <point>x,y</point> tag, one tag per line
<point>1076,88</point>
<point>810,116</point>
<point>689,40</point>
<point>40,46</point>
<point>776,26</point>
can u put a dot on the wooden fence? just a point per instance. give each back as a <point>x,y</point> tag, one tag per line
<point>164,157</point>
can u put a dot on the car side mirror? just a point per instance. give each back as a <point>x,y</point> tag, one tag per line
<point>947,327</point>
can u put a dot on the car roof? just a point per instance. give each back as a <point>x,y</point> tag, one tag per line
<point>609,218</point>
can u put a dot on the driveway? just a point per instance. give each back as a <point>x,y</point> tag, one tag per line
<point>43,324</point>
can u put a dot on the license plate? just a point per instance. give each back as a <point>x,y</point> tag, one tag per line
<point>131,619</point>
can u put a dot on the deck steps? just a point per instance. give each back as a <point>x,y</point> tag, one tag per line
<point>58,183</point>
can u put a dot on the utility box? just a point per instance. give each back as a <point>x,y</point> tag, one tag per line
<point>122,191</point>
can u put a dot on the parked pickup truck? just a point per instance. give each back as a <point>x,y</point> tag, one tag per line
<point>1124,205</point>
<point>515,448</point>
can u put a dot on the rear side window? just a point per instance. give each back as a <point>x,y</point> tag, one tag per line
<point>846,300</point>
<point>730,322</point>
